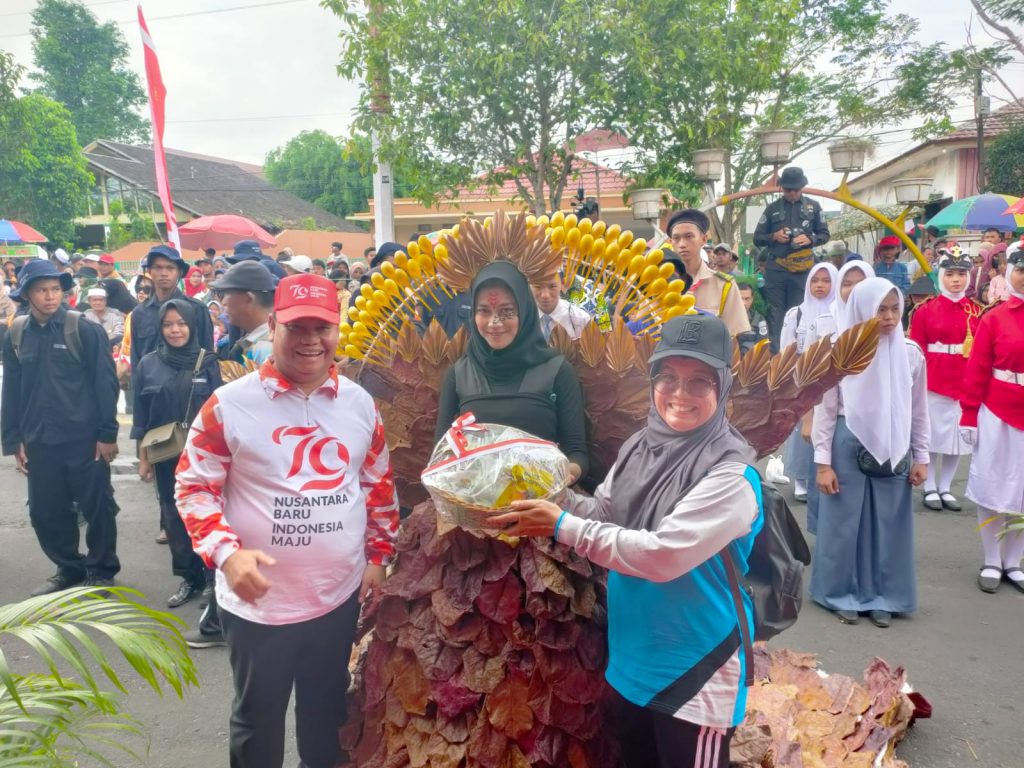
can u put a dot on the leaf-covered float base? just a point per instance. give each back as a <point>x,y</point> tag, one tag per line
<point>798,718</point>
<point>482,653</point>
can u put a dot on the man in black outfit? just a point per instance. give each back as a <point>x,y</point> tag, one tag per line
<point>59,419</point>
<point>165,268</point>
<point>790,227</point>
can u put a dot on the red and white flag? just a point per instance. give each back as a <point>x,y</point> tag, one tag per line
<point>157,95</point>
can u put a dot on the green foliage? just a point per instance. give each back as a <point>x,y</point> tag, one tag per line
<point>57,719</point>
<point>330,174</point>
<point>135,229</point>
<point>1004,163</point>
<point>84,65</point>
<point>722,70</point>
<point>313,166</point>
<point>43,175</point>
<point>500,89</point>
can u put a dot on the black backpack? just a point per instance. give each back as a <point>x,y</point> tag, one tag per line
<point>775,577</point>
<point>72,336</point>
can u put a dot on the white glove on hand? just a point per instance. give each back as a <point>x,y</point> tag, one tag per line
<point>969,435</point>
<point>775,472</point>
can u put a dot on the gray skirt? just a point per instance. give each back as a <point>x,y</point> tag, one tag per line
<point>864,551</point>
<point>799,456</point>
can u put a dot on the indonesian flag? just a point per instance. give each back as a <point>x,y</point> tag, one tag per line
<point>157,95</point>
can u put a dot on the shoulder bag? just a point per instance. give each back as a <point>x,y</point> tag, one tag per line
<point>167,441</point>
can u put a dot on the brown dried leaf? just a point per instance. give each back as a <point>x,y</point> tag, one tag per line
<point>619,349</point>
<point>481,673</point>
<point>434,343</point>
<point>457,345</point>
<point>408,682</point>
<point>508,707</point>
<point>591,345</point>
<point>407,344</point>
<point>856,347</point>
<point>780,370</point>
<point>644,349</point>
<point>814,363</point>
<point>560,340</point>
<point>753,367</point>
<point>812,724</point>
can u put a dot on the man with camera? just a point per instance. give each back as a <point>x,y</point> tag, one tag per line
<point>788,231</point>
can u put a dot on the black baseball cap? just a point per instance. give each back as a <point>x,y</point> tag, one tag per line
<point>700,337</point>
<point>246,276</point>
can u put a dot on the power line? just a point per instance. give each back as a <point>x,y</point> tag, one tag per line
<point>189,14</point>
<point>258,117</point>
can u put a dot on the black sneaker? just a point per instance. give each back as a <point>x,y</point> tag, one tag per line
<point>99,581</point>
<point>197,639</point>
<point>57,583</point>
<point>186,591</point>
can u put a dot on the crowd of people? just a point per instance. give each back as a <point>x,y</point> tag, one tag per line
<point>276,497</point>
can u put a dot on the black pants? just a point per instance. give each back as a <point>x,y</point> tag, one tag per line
<point>184,561</point>
<point>782,291</point>
<point>266,662</point>
<point>651,739</point>
<point>59,475</point>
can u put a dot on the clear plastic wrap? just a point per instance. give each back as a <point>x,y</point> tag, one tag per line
<point>478,470</point>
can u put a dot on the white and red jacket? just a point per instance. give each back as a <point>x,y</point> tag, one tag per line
<point>306,479</point>
<point>995,369</point>
<point>939,326</point>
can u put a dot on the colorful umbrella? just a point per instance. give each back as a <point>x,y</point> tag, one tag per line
<point>979,212</point>
<point>19,232</point>
<point>222,231</point>
<point>1017,208</point>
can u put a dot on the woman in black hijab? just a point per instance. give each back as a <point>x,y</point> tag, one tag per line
<point>509,375</point>
<point>680,505</point>
<point>170,388</point>
<point>118,296</point>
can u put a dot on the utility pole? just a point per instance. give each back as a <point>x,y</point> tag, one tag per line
<point>380,104</point>
<point>981,109</point>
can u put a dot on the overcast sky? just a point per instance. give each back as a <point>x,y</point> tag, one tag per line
<point>243,79</point>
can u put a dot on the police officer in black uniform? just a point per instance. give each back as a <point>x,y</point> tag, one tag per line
<point>790,227</point>
<point>59,419</point>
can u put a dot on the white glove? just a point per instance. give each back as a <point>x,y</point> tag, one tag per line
<point>775,472</point>
<point>969,435</point>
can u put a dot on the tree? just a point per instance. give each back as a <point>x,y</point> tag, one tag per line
<point>330,174</point>
<point>723,70</point>
<point>43,174</point>
<point>479,91</point>
<point>84,66</point>
<point>58,719</point>
<point>135,229</point>
<point>1004,163</point>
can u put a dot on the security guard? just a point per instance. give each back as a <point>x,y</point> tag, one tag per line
<point>59,419</point>
<point>789,229</point>
<point>714,292</point>
<point>165,268</point>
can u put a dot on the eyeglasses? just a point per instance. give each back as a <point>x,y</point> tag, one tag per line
<point>502,315</point>
<point>667,383</point>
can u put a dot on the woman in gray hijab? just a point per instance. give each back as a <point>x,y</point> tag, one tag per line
<point>682,491</point>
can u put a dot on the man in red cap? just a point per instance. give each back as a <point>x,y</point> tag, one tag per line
<point>888,265</point>
<point>286,489</point>
<point>105,267</point>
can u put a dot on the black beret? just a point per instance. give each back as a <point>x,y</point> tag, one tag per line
<point>692,216</point>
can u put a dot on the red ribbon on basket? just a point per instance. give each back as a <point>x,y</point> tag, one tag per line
<point>457,434</point>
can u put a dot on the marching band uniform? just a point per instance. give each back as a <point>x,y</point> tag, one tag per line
<point>944,328</point>
<point>799,454</point>
<point>993,421</point>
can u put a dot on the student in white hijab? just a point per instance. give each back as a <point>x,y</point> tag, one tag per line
<point>819,293</point>
<point>871,446</point>
<point>827,323</point>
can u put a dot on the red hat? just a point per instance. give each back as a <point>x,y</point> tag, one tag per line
<point>106,258</point>
<point>306,295</point>
<point>889,241</point>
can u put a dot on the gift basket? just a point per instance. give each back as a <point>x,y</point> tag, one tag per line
<point>477,470</point>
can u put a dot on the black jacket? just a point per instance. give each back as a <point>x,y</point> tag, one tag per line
<point>144,326</point>
<point>161,392</point>
<point>802,217</point>
<point>50,399</point>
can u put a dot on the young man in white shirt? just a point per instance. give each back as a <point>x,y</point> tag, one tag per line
<point>555,310</point>
<point>285,487</point>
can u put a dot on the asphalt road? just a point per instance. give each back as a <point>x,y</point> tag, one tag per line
<point>962,649</point>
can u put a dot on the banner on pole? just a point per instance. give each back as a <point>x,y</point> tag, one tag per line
<point>157,96</point>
